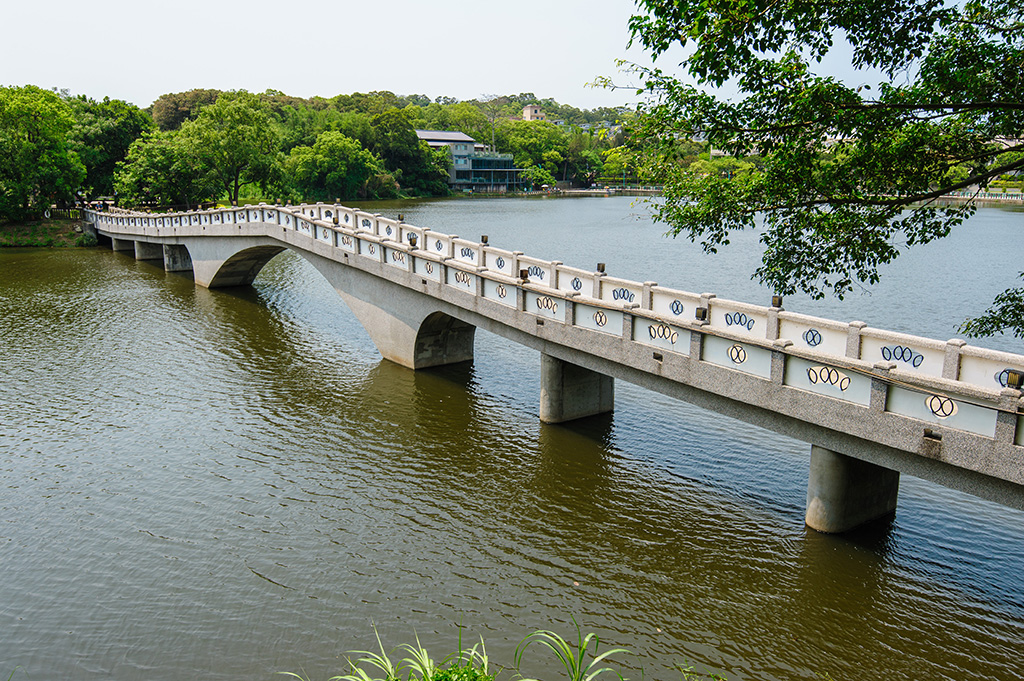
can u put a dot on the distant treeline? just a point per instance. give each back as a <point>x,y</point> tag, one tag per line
<point>204,145</point>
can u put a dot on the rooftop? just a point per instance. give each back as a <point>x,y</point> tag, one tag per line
<point>444,136</point>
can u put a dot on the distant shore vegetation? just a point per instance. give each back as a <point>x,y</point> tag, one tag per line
<point>201,146</point>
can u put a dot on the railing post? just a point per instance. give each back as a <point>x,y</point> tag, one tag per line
<point>951,360</point>
<point>778,367</point>
<point>570,309</point>
<point>705,302</point>
<point>697,339</point>
<point>772,326</point>
<point>1007,416</point>
<point>598,275</point>
<point>853,339</point>
<point>627,325</point>
<point>647,295</point>
<point>880,385</point>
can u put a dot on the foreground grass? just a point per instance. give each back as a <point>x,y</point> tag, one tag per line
<point>580,660</point>
<point>44,234</point>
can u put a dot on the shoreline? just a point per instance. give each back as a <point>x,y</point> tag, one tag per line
<point>47,233</point>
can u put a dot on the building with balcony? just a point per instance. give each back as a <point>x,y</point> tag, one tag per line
<point>533,113</point>
<point>474,168</point>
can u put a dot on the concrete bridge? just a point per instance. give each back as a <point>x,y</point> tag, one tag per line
<point>872,403</point>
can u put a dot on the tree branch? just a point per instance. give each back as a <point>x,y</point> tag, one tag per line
<point>911,198</point>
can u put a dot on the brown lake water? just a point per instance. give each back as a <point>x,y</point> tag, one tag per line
<point>227,484</point>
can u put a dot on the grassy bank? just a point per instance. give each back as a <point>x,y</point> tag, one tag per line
<point>44,234</point>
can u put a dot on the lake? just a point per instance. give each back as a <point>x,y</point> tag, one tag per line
<point>225,484</point>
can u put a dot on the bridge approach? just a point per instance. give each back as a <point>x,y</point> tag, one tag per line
<point>873,404</point>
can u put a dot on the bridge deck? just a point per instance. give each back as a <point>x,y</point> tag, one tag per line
<point>940,410</point>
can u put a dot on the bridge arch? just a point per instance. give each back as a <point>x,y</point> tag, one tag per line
<point>443,339</point>
<point>241,268</point>
<point>406,327</point>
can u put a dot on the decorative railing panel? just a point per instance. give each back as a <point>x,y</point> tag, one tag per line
<point>943,409</point>
<point>661,335</point>
<point>816,335</point>
<point>750,359</point>
<point>678,306</point>
<point>741,318</point>
<point>839,382</point>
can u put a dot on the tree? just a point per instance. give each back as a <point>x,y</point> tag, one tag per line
<point>163,168</point>
<point>493,108</point>
<point>537,177</point>
<point>458,116</point>
<point>101,135</point>
<point>336,166</point>
<point>37,166</point>
<point>533,143</point>
<point>418,168</point>
<point>850,173</point>
<point>173,109</point>
<point>237,142</point>
<point>583,162</point>
<point>619,164</point>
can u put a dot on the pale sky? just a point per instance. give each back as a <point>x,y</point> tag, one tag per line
<point>137,51</point>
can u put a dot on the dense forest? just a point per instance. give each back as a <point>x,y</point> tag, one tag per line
<point>206,145</point>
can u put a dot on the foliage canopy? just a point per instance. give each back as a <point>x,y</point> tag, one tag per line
<point>37,165</point>
<point>845,174</point>
<point>237,142</point>
<point>101,135</point>
<point>338,167</point>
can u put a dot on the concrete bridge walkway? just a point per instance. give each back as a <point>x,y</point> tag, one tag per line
<point>873,404</point>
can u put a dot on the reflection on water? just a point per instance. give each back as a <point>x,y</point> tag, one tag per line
<point>226,484</point>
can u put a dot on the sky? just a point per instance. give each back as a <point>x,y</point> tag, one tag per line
<point>137,51</point>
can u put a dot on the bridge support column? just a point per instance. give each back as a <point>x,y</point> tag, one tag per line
<point>147,251</point>
<point>570,392</point>
<point>122,244</point>
<point>176,258</point>
<point>844,492</point>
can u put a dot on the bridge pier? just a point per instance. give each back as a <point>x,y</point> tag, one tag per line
<point>844,492</point>
<point>121,244</point>
<point>570,392</point>
<point>176,258</point>
<point>147,251</point>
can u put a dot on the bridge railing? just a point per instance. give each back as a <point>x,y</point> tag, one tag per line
<point>842,360</point>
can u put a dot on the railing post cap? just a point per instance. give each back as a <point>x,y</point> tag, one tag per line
<point>958,342</point>
<point>858,325</point>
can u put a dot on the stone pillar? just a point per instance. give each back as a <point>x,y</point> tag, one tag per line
<point>570,392</point>
<point>122,244</point>
<point>176,258</point>
<point>844,492</point>
<point>147,251</point>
